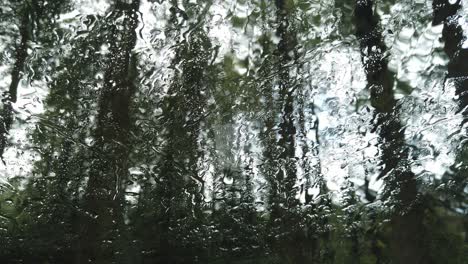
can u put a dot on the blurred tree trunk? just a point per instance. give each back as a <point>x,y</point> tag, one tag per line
<point>286,52</point>
<point>104,197</point>
<point>11,96</point>
<point>179,232</point>
<point>407,231</point>
<point>452,34</point>
<point>456,180</point>
<point>291,242</point>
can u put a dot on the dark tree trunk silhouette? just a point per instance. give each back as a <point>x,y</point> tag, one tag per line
<point>401,185</point>
<point>11,96</point>
<point>178,191</point>
<point>290,242</point>
<point>286,176</point>
<point>104,197</point>
<point>452,34</point>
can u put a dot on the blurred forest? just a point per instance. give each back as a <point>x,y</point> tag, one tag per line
<point>234,131</point>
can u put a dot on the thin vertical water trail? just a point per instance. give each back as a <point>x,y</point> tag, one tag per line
<point>237,131</point>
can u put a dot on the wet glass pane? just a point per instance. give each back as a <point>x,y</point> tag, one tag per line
<point>234,131</point>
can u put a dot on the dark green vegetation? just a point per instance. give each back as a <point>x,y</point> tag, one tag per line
<point>178,149</point>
